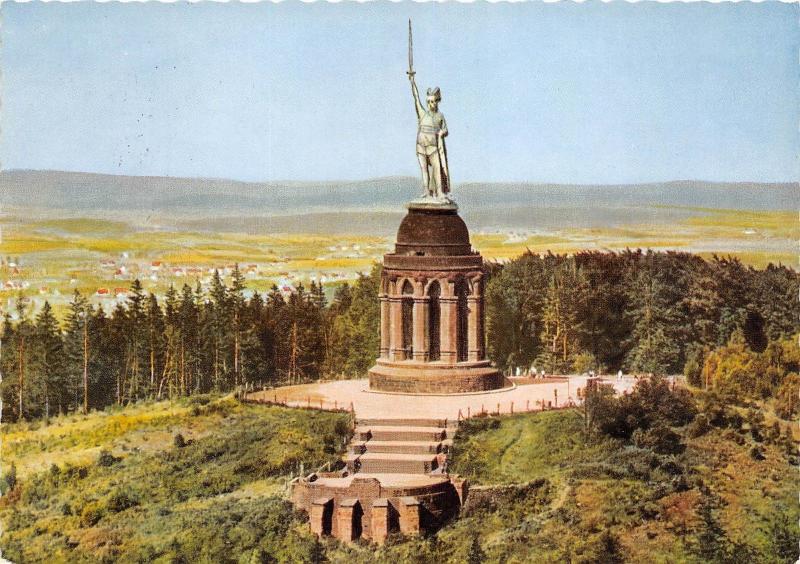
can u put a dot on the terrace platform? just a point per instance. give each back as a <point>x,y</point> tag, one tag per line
<point>528,395</point>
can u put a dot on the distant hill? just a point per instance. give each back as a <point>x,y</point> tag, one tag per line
<point>90,194</point>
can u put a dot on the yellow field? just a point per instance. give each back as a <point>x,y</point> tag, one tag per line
<point>58,256</point>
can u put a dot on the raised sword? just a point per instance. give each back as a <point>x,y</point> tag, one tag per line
<point>410,71</point>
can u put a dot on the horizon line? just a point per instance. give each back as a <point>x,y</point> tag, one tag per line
<point>400,177</point>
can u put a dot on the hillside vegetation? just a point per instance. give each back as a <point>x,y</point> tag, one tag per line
<point>656,476</point>
<point>116,490</point>
<point>651,477</point>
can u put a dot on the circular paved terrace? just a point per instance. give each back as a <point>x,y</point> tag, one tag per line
<point>525,395</point>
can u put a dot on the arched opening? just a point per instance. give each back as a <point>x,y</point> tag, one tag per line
<point>358,514</point>
<point>408,320</point>
<point>327,518</point>
<point>434,291</point>
<point>462,320</point>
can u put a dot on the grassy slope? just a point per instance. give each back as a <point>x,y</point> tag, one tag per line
<point>605,485</point>
<point>217,499</point>
<point>222,497</point>
<point>579,489</point>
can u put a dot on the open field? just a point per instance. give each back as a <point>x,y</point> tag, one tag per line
<point>50,258</point>
<point>64,231</point>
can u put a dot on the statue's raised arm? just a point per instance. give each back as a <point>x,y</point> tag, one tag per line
<point>420,109</point>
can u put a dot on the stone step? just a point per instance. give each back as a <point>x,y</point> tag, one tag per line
<point>380,422</point>
<point>390,463</point>
<point>401,433</point>
<point>403,447</point>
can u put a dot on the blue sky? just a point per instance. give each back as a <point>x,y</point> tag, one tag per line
<point>573,93</point>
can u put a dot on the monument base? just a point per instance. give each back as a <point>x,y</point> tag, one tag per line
<point>442,203</point>
<point>411,377</point>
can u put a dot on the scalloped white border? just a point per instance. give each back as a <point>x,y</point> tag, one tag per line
<point>406,1</point>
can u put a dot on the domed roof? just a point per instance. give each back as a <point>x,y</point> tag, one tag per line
<point>433,232</point>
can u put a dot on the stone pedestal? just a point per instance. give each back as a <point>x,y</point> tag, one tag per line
<point>434,266</point>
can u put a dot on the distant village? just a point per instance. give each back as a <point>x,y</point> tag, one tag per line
<point>107,282</point>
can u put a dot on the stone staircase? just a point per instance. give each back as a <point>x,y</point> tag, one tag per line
<point>400,446</point>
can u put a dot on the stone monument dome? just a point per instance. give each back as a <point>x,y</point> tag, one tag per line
<point>428,231</point>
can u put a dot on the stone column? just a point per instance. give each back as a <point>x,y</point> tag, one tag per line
<point>345,514</point>
<point>473,343</point>
<point>480,329</point>
<point>379,523</point>
<point>396,328</point>
<point>448,318</point>
<point>420,340</point>
<point>409,516</point>
<point>386,328</point>
<point>319,507</point>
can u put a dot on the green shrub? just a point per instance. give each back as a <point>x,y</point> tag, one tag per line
<point>659,438</point>
<point>199,399</point>
<point>782,542</point>
<point>329,442</point>
<point>10,478</point>
<point>731,435</point>
<point>479,425</point>
<point>121,499</point>
<point>774,433</point>
<point>735,419</point>
<point>106,459</point>
<point>179,441</point>
<point>700,426</point>
<point>92,513</point>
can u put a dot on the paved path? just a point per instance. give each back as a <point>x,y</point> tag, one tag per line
<point>367,404</point>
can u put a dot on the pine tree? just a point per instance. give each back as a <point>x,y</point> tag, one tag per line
<point>48,374</point>
<point>103,359</point>
<point>118,348</point>
<point>603,322</point>
<point>654,348</point>
<point>775,291</point>
<point>280,325</point>
<point>154,320</point>
<point>137,353</point>
<point>188,350</point>
<point>711,542</point>
<point>561,322</point>
<point>170,376</point>
<point>237,303</point>
<point>703,305</point>
<point>476,554</point>
<point>76,350</point>
<point>22,343</point>
<point>514,301</point>
<point>254,347</point>
<point>8,367</point>
<point>219,314</point>
<point>363,319</point>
